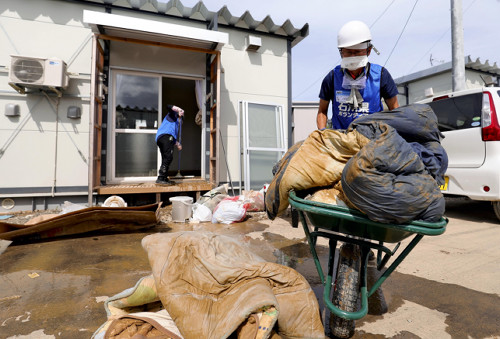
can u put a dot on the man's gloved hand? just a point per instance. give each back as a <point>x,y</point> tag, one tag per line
<point>178,110</point>
<point>179,146</point>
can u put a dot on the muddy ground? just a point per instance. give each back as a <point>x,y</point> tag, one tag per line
<point>446,288</point>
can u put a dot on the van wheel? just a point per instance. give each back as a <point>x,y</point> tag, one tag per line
<point>496,208</point>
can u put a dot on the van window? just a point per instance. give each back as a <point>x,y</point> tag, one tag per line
<point>458,112</point>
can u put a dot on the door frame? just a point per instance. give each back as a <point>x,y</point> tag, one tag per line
<point>95,117</point>
<point>94,176</point>
<point>111,151</point>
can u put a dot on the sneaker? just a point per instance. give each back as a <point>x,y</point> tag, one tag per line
<point>162,181</point>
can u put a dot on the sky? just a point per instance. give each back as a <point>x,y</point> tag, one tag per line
<point>411,35</point>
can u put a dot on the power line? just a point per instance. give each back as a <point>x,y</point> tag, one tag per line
<point>315,82</point>
<point>322,76</point>
<point>382,14</point>
<point>436,42</point>
<point>400,34</point>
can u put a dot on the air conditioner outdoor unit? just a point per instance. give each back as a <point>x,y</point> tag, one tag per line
<point>38,72</point>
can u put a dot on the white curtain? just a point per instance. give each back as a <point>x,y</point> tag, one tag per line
<point>198,89</point>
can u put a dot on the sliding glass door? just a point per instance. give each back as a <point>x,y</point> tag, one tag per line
<point>135,119</point>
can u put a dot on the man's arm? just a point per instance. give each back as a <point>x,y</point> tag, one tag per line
<point>322,116</point>
<point>392,103</point>
<point>388,90</point>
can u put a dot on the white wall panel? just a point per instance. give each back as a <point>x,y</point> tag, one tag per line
<point>153,58</point>
<point>45,39</point>
<point>260,77</point>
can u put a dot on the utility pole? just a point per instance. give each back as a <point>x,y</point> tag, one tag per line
<point>457,46</point>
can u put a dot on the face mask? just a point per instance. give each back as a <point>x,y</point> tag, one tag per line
<point>355,62</point>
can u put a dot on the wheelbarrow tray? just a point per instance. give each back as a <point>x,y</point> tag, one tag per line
<point>348,225</point>
<point>355,223</point>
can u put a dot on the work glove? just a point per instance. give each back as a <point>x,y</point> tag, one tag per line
<point>179,146</point>
<point>178,110</point>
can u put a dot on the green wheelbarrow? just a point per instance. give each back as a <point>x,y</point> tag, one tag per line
<point>358,235</point>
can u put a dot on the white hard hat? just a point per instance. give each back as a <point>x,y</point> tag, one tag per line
<point>353,33</point>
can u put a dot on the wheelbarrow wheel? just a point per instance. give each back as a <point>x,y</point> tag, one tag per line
<point>346,289</point>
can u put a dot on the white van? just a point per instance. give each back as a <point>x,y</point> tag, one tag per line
<point>470,123</point>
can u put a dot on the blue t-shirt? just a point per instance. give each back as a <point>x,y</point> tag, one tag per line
<point>170,124</point>
<point>379,84</point>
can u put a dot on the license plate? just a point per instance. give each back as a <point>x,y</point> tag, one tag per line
<point>444,187</point>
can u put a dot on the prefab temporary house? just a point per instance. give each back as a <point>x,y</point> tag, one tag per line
<point>84,85</point>
<point>437,80</point>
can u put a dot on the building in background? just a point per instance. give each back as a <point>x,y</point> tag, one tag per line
<point>304,119</point>
<point>83,87</point>
<point>437,80</point>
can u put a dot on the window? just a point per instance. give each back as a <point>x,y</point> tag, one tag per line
<point>459,112</point>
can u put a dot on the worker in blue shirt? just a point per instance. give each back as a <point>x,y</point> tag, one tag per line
<point>166,139</point>
<point>355,87</point>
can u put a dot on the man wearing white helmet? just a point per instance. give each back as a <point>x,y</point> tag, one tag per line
<point>355,87</point>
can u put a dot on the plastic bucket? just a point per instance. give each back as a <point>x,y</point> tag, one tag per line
<point>182,208</point>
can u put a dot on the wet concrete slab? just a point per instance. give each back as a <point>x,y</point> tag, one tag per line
<point>56,289</point>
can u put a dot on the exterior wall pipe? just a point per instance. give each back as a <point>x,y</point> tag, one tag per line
<point>56,141</point>
<point>457,46</point>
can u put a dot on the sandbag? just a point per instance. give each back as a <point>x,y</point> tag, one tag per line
<point>212,198</point>
<point>230,210</point>
<point>201,213</point>
<point>317,161</point>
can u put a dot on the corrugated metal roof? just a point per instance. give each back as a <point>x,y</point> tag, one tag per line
<point>470,63</point>
<point>201,13</point>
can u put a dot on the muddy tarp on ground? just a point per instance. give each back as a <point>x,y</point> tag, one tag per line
<point>83,221</point>
<point>395,177</point>
<point>210,284</point>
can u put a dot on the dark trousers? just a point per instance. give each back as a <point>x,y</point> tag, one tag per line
<point>166,145</point>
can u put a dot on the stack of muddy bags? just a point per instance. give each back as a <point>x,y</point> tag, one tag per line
<point>388,165</point>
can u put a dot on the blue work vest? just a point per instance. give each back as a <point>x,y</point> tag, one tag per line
<point>344,114</point>
<point>169,125</point>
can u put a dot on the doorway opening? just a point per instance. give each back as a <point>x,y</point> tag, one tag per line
<point>181,93</point>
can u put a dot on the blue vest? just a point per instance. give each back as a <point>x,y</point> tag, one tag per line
<point>344,114</point>
<point>169,125</point>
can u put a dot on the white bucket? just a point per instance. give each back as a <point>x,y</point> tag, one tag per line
<point>182,208</point>
<point>114,201</point>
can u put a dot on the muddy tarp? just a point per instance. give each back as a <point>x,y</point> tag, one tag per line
<point>395,177</point>
<point>418,125</point>
<point>210,284</point>
<point>83,221</point>
<point>316,162</point>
